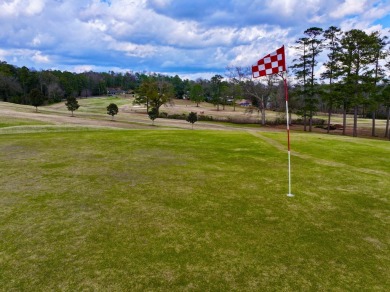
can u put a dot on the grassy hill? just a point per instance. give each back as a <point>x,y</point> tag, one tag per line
<point>85,208</point>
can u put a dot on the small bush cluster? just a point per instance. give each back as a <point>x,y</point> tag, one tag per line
<point>239,120</point>
<point>183,116</point>
<point>242,120</point>
<point>165,115</point>
<point>205,118</point>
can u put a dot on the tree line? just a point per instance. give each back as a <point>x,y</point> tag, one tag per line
<point>353,79</point>
<point>17,83</point>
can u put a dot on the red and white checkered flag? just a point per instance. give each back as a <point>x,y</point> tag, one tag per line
<point>271,64</point>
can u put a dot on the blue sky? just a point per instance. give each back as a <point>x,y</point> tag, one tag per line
<point>196,38</point>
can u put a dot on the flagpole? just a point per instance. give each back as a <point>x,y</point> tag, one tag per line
<point>275,63</point>
<point>288,137</point>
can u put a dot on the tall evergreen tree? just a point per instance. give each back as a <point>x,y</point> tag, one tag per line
<point>355,60</point>
<point>216,90</point>
<point>377,52</point>
<point>314,49</point>
<point>301,69</point>
<point>332,44</point>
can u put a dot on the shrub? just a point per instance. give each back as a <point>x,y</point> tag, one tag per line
<point>173,116</point>
<point>205,118</point>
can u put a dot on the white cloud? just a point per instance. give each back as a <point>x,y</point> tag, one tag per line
<point>83,68</point>
<point>34,7</point>
<point>9,8</point>
<point>39,58</point>
<point>36,41</point>
<point>3,54</point>
<point>21,7</point>
<point>161,35</point>
<point>349,7</point>
<point>131,49</point>
<point>97,24</point>
<point>285,7</point>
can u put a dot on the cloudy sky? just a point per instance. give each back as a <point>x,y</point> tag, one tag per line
<point>191,38</point>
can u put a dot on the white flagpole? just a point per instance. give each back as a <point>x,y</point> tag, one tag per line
<point>288,138</point>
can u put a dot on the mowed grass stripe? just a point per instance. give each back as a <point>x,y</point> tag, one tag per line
<point>185,210</point>
<point>361,153</point>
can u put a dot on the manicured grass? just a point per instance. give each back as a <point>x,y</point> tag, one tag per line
<point>192,210</point>
<point>354,153</point>
<point>48,129</point>
<point>12,122</point>
<point>99,105</point>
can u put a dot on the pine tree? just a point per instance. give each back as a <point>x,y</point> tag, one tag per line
<point>314,49</point>
<point>216,90</point>
<point>355,59</point>
<point>72,104</point>
<point>301,70</point>
<point>377,53</point>
<point>332,44</point>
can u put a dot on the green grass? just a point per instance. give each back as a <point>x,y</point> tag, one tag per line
<point>14,122</point>
<point>192,210</point>
<point>49,128</point>
<point>99,105</point>
<point>363,154</point>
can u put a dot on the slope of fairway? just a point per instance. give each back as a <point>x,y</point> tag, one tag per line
<point>192,210</point>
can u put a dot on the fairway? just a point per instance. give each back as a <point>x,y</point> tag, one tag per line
<point>174,210</point>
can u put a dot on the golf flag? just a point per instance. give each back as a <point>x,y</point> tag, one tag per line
<point>271,64</point>
<point>275,63</point>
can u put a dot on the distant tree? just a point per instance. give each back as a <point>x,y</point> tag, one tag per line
<point>165,93</point>
<point>215,90</point>
<point>153,114</point>
<point>112,110</point>
<point>235,92</point>
<point>236,77</point>
<point>332,44</point>
<point>72,104</point>
<point>355,61</point>
<point>23,74</point>
<point>192,118</point>
<point>154,91</point>
<point>315,48</point>
<point>257,92</point>
<point>36,98</point>
<point>386,103</point>
<point>225,94</point>
<point>378,52</point>
<point>197,94</point>
<point>301,68</point>
<point>9,87</point>
<point>146,91</point>
<point>178,86</point>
